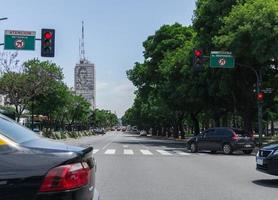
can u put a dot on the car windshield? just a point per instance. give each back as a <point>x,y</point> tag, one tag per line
<point>15,132</point>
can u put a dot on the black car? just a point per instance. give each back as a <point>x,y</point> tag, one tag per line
<point>267,159</point>
<point>36,168</point>
<point>222,139</point>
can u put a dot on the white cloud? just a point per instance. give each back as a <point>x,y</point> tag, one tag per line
<point>115,96</point>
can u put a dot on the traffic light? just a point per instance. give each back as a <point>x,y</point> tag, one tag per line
<point>260,96</point>
<point>47,42</point>
<point>198,59</point>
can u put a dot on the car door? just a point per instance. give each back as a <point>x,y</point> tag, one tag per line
<point>204,142</point>
<point>18,180</point>
<point>210,138</point>
<point>221,136</point>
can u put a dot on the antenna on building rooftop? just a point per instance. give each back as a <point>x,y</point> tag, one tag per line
<point>82,47</point>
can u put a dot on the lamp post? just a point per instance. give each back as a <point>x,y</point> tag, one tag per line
<point>259,103</point>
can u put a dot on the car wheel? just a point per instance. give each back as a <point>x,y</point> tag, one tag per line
<point>193,147</point>
<point>247,151</point>
<point>227,149</point>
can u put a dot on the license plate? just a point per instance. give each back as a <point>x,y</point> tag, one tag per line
<point>260,161</point>
<point>247,145</point>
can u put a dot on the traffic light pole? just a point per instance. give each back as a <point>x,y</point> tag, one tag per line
<point>259,103</point>
<point>260,107</point>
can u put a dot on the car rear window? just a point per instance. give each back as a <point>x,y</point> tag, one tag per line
<point>16,132</point>
<point>242,133</point>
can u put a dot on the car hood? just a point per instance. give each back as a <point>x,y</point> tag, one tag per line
<point>272,146</point>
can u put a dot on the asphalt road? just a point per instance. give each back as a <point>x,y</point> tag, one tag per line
<point>143,168</point>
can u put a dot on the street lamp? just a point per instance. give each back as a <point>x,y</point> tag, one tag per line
<point>259,102</point>
<point>4,18</point>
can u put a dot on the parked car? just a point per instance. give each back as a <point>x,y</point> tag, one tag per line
<point>222,139</point>
<point>99,131</point>
<point>267,159</point>
<point>143,133</point>
<point>37,130</point>
<point>33,167</point>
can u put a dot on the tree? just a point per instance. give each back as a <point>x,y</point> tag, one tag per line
<point>104,118</point>
<point>14,86</point>
<point>78,110</point>
<point>250,31</point>
<point>22,87</point>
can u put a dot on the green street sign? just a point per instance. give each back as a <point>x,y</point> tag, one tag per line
<point>19,40</point>
<point>221,59</point>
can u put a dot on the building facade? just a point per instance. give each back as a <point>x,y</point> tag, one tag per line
<point>84,82</point>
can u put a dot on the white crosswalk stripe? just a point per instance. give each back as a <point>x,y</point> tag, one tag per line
<point>146,152</point>
<point>110,151</point>
<point>182,153</point>
<point>163,152</point>
<point>128,152</point>
<point>95,151</point>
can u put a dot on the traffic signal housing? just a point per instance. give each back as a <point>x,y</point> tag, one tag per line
<point>260,96</point>
<point>198,59</point>
<point>47,42</point>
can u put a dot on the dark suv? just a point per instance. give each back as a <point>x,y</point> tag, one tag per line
<point>267,159</point>
<point>222,139</point>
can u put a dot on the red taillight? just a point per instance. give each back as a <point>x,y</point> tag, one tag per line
<point>66,177</point>
<point>235,136</point>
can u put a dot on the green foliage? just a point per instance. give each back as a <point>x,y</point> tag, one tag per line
<point>170,94</point>
<point>104,118</point>
<point>250,30</point>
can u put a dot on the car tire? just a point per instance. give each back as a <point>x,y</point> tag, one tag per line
<point>247,151</point>
<point>227,149</point>
<point>193,147</point>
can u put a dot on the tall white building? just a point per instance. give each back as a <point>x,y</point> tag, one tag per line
<point>84,82</point>
<point>85,76</point>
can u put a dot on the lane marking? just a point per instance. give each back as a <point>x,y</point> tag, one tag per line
<point>125,146</point>
<point>201,154</point>
<point>146,152</point>
<point>183,153</point>
<point>95,151</point>
<point>163,152</point>
<point>128,152</point>
<point>110,151</point>
<point>107,145</point>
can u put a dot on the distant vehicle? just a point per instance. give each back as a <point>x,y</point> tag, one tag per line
<point>118,129</point>
<point>222,139</point>
<point>33,167</point>
<point>99,131</point>
<point>143,133</point>
<point>123,128</point>
<point>266,159</point>
<point>135,131</point>
<point>37,130</point>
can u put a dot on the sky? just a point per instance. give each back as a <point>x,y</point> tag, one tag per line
<point>114,32</point>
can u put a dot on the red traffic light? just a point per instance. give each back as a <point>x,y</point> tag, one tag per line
<point>260,96</point>
<point>198,53</point>
<point>47,35</point>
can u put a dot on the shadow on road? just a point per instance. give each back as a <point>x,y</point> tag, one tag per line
<point>272,183</point>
